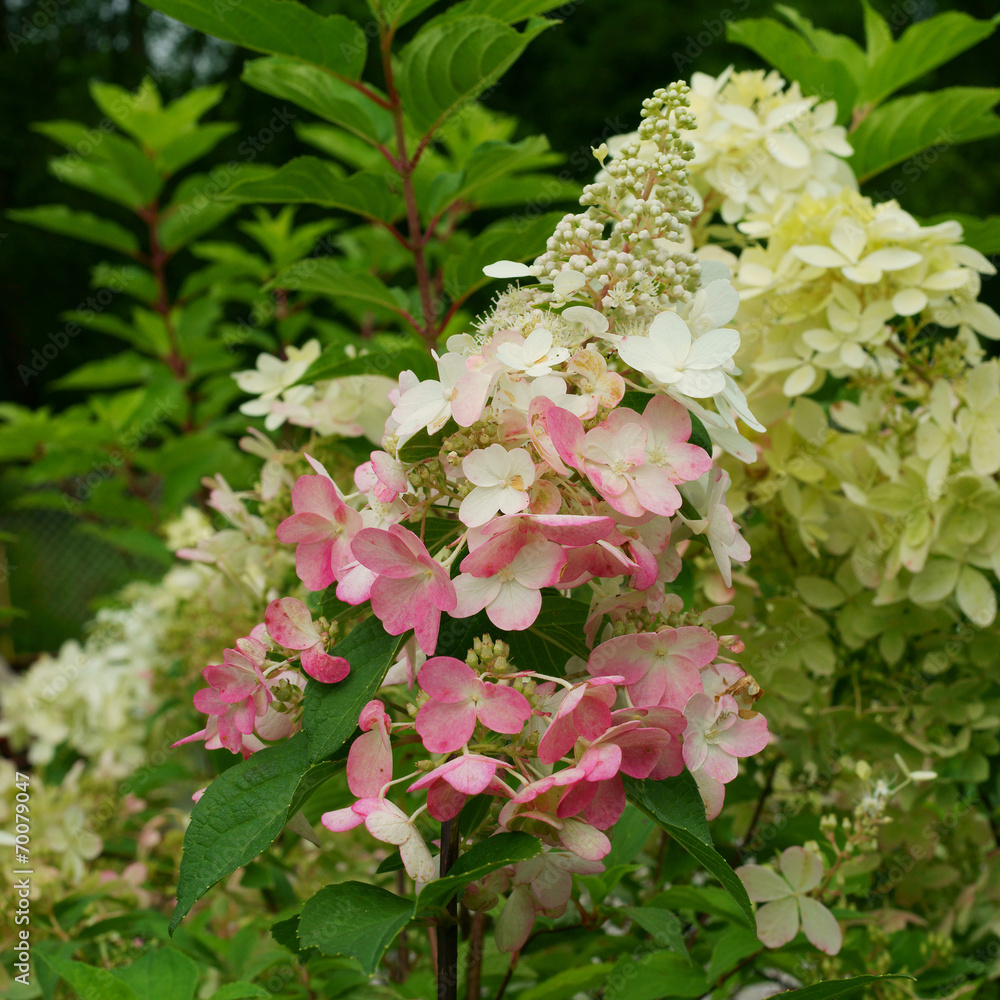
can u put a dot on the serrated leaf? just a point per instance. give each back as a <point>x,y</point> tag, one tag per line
<point>127,368</point>
<point>322,94</point>
<point>341,145</point>
<point>451,61</point>
<point>242,812</point>
<point>735,945</point>
<point>828,44</point>
<point>310,180</point>
<point>835,989</point>
<point>334,363</point>
<point>192,146</point>
<point>508,11</point>
<point>569,982</point>
<point>198,203</point>
<point>97,178</point>
<point>331,711</point>
<point>239,991</point>
<point>329,277</point>
<point>556,635</point>
<point>163,973</point>
<point>664,926</point>
<point>280,27</point>
<point>922,47</point>
<point>80,225</point>
<point>90,982</point>
<point>676,804</point>
<point>797,60</point>
<point>495,852</point>
<point>901,128</point>
<point>653,977</point>
<point>354,919</point>
<point>518,238</point>
<point>878,34</point>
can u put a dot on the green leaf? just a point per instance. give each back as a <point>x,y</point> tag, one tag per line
<point>281,27</point>
<point>676,804</point>
<point>451,61</point>
<point>161,974</point>
<point>192,146</point>
<point>341,145</point>
<point>556,635</point>
<point>310,180</point>
<point>664,926</point>
<point>80,225</point>
<point>108,151</point>
<point>334,363</point>
<point>834,989</point>
<point>655,976</point>
<point>322,94</point>
<point>423,445</point>
<point>241,814</point>
<point>796,59</point>
<point>90,982</point>
<point>199,203</point>
<point>878,34</point>
<point>331,711</point>
<point>354,919</point>
<point>329,277</point>
<point>495,852</point>
<point>735,945</point>
<point>508,11</point>
<point>98,178</point>
<point>699,434</point>
<point>239,991</point>
<point>127,368</point>
<point>517,238</point>
<point>922,47</point>
<point>828,44</point>
<point>569,983</point>
<point>901,128</point>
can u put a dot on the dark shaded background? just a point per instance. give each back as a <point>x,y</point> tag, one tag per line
<point>578,83</point>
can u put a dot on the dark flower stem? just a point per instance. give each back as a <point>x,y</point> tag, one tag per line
<point>447,930</point>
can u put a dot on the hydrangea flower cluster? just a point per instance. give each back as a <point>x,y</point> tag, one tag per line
<point>566,444</point>
<point>551,752</point>
<point>352,406</point>
<point>840,275</point>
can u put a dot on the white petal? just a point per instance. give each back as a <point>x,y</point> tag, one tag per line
<point>788,149</point>
<point>713,349</point>
<point>800,381</point>
<point>891,259</point>
<point>817,255</point>
<point>909,302</point>
<point>507,269</point>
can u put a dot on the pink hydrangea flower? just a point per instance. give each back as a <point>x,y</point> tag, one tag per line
<point>450,784</point>
<point>385,821</point>
<point>511,595</point>
<point>321,529</point>
<point>716,736</point>
<point>458,699</point>
<point>411,589</point>
<point>290,623</point>
<point>660,668</point>
<point>787,901</point>
<point>369,761</point>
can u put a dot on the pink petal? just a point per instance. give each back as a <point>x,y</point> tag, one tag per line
<point>323,667</point>
<point>576,798</point>
<point>290,623</point>
<point>502,709</point>
<point>762,884</point>
<point>567,434</point>
<point>445,727</point>
<point>745,737</point>
<point>820,925</point>
<point>802,869</point>
<point>583,840</point>
<point>314,564</point>
<point>317,495</point>
<point>444,802</point>
<point>778,922</point>
<point>385,553</point>
<point>515,608</point>
<point>304,528</point>
<point>641,751</point>
<point>608,804</point>
<point>448,679</point>
<point>369,764</point>
<point>557,740</point>
<point>341,820</point>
